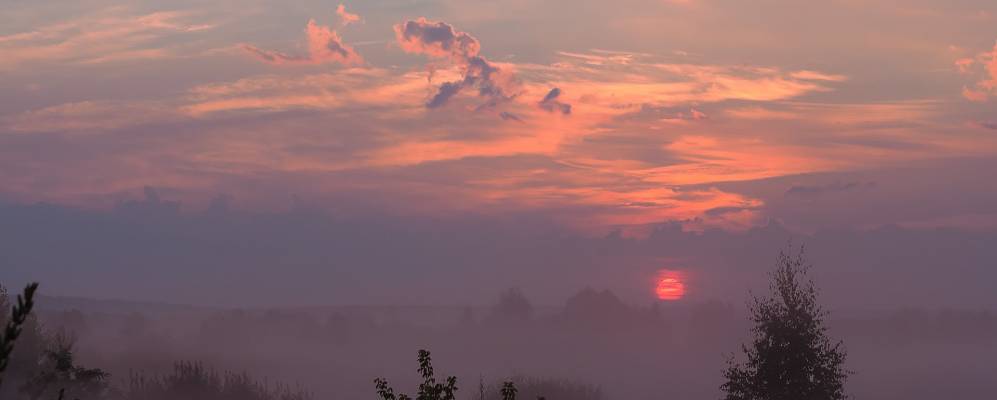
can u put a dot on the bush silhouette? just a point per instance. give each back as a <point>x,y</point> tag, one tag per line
<point>791,356</point>
<point>430,389</point>
<point>59,373</point>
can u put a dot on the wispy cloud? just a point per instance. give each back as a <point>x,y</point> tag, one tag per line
<point>94,117</point>
<point>107,36</point>
<point>324,46</point>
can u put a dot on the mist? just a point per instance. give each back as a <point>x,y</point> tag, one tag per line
<point>313,300</point>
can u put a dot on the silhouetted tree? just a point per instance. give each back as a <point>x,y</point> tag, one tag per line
<point>18,317</point>
<point>512,306</point>
<point>791,356</point>
<point>509,391</point>
<point>593,309</point>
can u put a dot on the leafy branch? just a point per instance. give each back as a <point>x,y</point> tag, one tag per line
<point>19,315</point>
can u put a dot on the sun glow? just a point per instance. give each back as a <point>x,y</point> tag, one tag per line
<point>670,285</point>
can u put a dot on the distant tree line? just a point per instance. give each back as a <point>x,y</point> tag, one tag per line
<point>790,357</point>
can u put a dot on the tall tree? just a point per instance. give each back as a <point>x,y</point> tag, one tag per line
<point>791,356</point>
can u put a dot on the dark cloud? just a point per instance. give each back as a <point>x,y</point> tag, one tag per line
<point>720,211</point>
<point>443,95</point>
<point>508,116</point>
<point>441,40</point>
<point>987,124</point>
<point>437,39</point>
<point>552,95</point>
<point>551,104</point>
<point>818,190</point>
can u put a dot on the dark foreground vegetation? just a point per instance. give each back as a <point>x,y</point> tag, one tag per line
<point>524,387</point>
<point>43,367</point>
<point>790,357</point>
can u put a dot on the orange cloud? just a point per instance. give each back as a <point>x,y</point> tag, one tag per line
<point>534,131</point>
<point>760,113</point>
<point>354,88</point>
<point>324,46</point>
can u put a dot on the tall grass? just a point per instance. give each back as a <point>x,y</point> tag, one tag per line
<point>193,381</point>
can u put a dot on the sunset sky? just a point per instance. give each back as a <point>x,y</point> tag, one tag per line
<point>596,116</point>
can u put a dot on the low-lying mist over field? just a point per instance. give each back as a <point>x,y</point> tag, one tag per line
<point>648,351</point>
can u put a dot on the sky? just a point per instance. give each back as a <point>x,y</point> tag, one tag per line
<point>473,127</point>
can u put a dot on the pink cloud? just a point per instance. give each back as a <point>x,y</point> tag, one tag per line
<point>964,65</point>
<point>345,17</point>
<point>324,46</point>
<point>982,90</point>
<point>974,95</point>
<point>992,70</point>
<point>817,76</point>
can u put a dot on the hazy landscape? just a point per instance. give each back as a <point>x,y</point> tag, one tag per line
<point>511,199</point>
<point>649,351</point>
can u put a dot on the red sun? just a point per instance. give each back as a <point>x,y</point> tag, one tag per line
<point>670,285</point>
